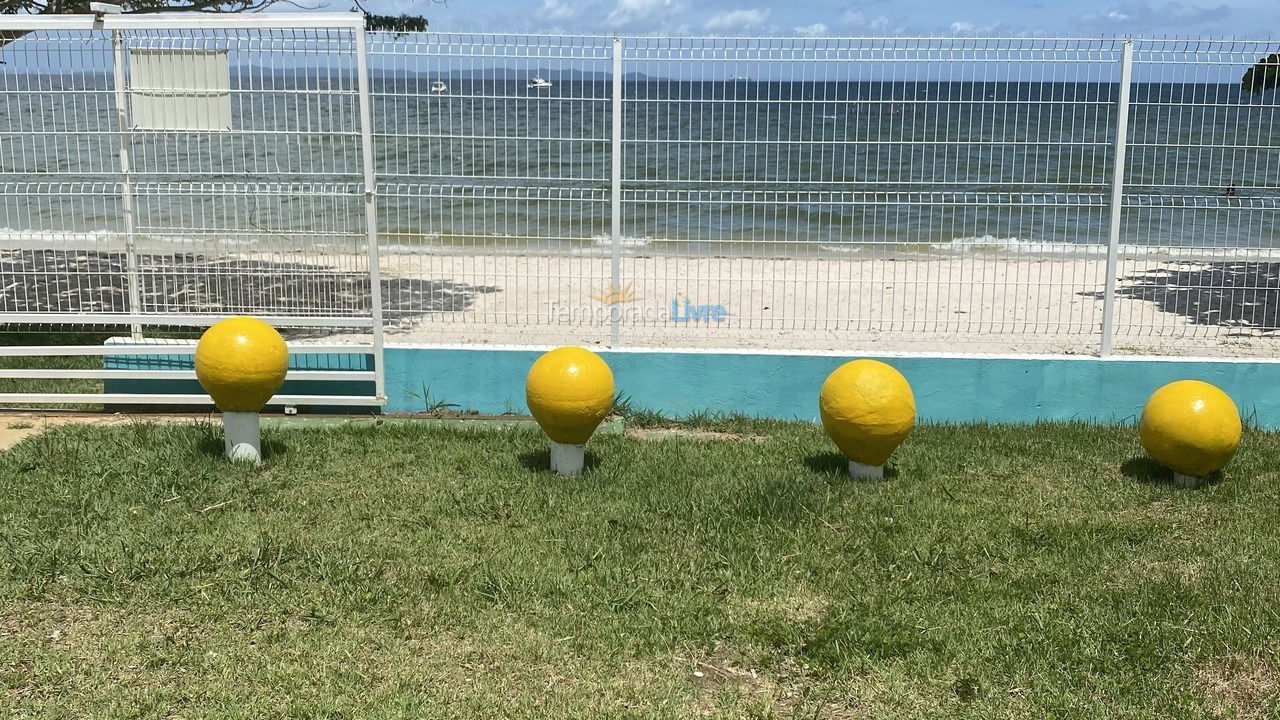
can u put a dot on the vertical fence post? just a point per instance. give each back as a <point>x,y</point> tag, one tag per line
<point>615,196</point>
<point>370,182</point>
<point>1117,196</point>
<point>126,182</point>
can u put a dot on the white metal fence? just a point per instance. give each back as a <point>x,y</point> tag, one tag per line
<point>835,193</point>
<point>892,193</point>
<point>160,172</point>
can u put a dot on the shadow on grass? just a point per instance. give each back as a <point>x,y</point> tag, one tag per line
<point>836,464</point>
<point>1145,470</point>
<point>272,449</point>
<point>539,461</point>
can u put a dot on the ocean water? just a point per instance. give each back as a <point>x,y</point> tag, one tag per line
<point>786,168</point>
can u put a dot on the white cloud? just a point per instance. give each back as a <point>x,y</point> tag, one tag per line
<point>737,20</point>
<point>863,22</point>
<point>633,12</point>
<point>964,27</point>
<point>1147,16</point>
<point>812,31</point>
<point>556,10</point>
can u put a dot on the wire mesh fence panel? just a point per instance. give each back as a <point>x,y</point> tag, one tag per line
<point>1201,230</point>
<point>835,192</point>
<point>493,163</point>
<point>889,193</point>
<point>172,173</point>
<point>58,169</point>
<point>772,192</point>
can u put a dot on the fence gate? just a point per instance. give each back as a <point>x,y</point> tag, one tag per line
<point>161,172</point>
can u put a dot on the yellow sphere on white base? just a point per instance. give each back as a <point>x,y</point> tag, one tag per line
<point>569,390</point>
<point>1190,427</point>
<point>868,409</point>
<point>241,362</point>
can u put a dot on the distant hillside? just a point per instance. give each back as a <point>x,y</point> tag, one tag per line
<point>486,74</point>
<point>515,74</point>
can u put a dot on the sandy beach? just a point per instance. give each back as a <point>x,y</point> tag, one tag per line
<point>943,304</point>
<point>947,302</point>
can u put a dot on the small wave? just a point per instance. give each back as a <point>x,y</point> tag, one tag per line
<point>60,237</point>
<point>843,249</point>
<point>19,239</point>
<point>627,241</point>
<point>991,243</point>
<point>72,239</point>
<point>115,240</point>
<point>1018,246</point>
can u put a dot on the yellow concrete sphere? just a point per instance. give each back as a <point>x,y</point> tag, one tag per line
<point>569,390</point>
<point>867,408</point>
<point>241,362</point>
<point>1190,427</point>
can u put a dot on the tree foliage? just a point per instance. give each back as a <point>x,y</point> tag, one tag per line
<point>69,7</point>
<point>373,23</point>
<point>64,7</point>
<point>402,23</point>
<point>1265,75</point>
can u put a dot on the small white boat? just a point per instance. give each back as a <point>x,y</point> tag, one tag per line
<point>537,82</point>
<point>439,88</point>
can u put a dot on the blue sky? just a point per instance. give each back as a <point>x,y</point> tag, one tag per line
<point>1249,19</point>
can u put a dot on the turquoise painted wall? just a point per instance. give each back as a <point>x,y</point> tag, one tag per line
<point>948,389</point>
<point>785,386</point>
<point>323,361</point>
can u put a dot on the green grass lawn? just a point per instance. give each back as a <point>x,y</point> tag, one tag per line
<point>407,571</point>
<point>43,385</point>
<point>66,362</point>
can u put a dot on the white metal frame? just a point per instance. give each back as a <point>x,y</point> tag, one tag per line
<point>1022,200</point>
<point>182,21</point>
<point>1117,198</point>
<point>117,25</point>
<point>615,192</point>
<point>552,194</point>
<point>173,348</point>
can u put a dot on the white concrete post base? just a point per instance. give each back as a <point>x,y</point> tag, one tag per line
<point>865,472</point>
<point>242,436</point>
<point>1186,481</point>
<point>567,459</point>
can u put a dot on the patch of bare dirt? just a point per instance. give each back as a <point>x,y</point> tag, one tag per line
<point>1239,687</point>
<point>16,426</point>
<point>1165,511</point>
<point>723,681</point>
<point>665,433</point>
<point>801,606</point>
<point>718,674</point>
